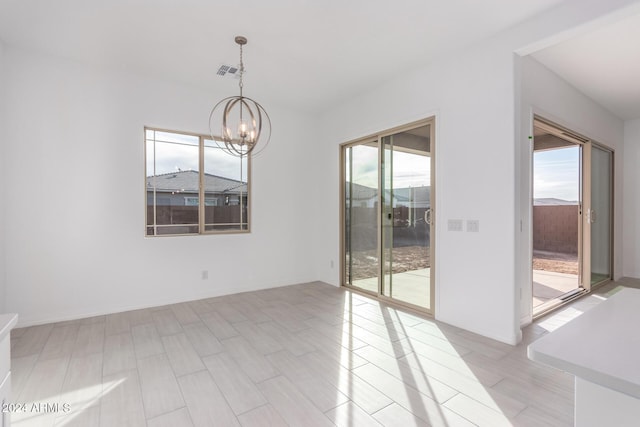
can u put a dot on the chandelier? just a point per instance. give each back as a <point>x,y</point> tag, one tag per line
<point>238,123</point>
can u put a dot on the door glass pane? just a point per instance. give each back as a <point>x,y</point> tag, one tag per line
<point>406,216</point>
<point>361,216</point>
<point>556,218</point>
<point>600,214</point>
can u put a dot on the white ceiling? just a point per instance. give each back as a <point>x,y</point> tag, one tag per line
<point>303,53</point>
<point>603,64</point>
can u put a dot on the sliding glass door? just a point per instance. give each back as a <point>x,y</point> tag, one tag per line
<point>389,215</point>
<point>598,219</point>
<point>361,215</point>
<point>407,216</point>
<point>572,215</point>
<point>557,201</point>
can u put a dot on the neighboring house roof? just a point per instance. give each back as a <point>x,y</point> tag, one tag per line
<point>362,192</point>
<point>187,182</point>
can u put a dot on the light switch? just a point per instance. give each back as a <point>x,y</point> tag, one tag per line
<point>473,225</point>
<point>454,225</point>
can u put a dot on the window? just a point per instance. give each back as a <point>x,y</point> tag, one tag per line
<point>181,170</point>
<point>193,201</point>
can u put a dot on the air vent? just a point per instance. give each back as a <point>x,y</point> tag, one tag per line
<point>228,70</point>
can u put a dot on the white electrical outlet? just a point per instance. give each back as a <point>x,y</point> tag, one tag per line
<point>473,225</point>
<point>454,225</point>
<point>205,274</point>
<point>331,263</point>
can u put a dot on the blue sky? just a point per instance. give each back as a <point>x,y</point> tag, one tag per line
<point>557,174</point>
<point>180,152</point>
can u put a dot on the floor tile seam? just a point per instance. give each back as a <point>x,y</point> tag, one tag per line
<point>97,405</point>
<point>77,335</point>
<point>426,374</point>
<point>142,394</point>
<point>31,373</point>
<point>192,372</point>
<point>532,382</point>
<point>384,407</point>
<point>33,366</point>
<point>183,324</point>
<point>427,378</point>
<point>433,399</point>
<point>449,368</point>
<point>138,358</point>
<point>39,351</point>
<point>466,417</point>
<point>213,380</point>
<point>442,364</point>
<point>453,344</point>
<point>147,419</point>
<point>257,407</point>
<point>171,412</point>
<point>529,403</point>
<point>340,404</point>
<point>512,417</point>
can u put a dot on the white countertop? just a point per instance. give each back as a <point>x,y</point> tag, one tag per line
<point>601,346</point>
<point>7,322</point>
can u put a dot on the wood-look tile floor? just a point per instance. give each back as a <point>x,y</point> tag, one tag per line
<point>302,355</point>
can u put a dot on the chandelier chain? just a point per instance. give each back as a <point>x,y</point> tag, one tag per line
<point>241,71</point>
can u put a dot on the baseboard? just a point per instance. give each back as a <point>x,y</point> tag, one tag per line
<point>24,322</point>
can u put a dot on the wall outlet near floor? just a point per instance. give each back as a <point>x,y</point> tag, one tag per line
<point>205,274</point>
<point>331,263</point>
<point>454,225</point>
<point>473,225</point>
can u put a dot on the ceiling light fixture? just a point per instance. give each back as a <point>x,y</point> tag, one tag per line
<point>238,123</point>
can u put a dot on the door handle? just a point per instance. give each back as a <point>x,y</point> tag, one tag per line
<point>427,216</point>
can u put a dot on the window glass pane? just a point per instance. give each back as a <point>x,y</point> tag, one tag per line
<point>226,190</point>
<point>176,138</point>
<point>172,183</point>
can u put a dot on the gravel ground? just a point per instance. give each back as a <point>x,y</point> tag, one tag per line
<point>406,258</point>
<point>556,262</point>
<point>410,258</point>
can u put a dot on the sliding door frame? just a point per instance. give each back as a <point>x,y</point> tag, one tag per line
<point>377,137</point>
<point>586,225</point>
<point>584,230</point>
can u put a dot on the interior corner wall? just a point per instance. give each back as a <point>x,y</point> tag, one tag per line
<point>544,93</point>
<point>631,199</point>
<point>75,237</point>
<point>3,179</point>
<point>471,96</point>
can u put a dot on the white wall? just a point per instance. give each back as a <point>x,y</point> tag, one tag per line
<point>3,282</point>
<point>631,199</point>
<point>474,178</point>
<point>546,94</point>
<point>75,223</point>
